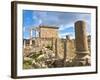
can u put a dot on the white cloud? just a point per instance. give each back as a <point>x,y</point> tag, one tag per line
<point>63,27</point>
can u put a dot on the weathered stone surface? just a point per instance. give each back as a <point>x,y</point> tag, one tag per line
<point>48,32</point>
<point>81,36</point>
<point>81,43</point>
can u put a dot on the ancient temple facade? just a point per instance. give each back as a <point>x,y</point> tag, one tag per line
<point>48,32</point>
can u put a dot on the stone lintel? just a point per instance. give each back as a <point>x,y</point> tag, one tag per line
<point>52,27</point>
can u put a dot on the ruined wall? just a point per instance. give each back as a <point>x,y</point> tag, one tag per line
<point>70,48</point>
<point>45,42</point>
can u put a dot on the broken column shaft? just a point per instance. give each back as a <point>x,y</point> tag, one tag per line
<point>81,42</point>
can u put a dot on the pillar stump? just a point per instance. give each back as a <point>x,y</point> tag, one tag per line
<point>81,43</point>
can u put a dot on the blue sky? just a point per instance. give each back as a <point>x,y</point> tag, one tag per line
<point>64,20</point>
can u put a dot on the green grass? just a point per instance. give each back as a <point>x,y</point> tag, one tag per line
<point>27,64</point>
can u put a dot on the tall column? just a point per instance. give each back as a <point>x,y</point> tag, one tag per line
<point>56,48</point>
<point>53,44</point>
<point>30,37</point>
<point>36,40</point>
<point>81,42</point>
<point>65,51</point>
<point>24,43</point>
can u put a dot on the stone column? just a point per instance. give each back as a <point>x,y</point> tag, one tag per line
<point>24,44</point>
<point>81,42</point>
<point>65,51</point>
<point>53,44</point>
<point>67,37</point>
<point>56,48</point>
<point>30,37</point>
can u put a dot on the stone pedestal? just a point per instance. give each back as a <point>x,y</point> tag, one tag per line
<point>81,43</point>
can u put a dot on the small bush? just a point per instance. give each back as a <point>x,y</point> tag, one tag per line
<point>27,64</point>
<point>49,47</point>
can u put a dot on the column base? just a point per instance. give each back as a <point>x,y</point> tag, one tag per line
<point>82,59</point>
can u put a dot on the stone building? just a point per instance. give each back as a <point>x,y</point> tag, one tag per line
<point>48,32</point>
<point>47,35</point>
